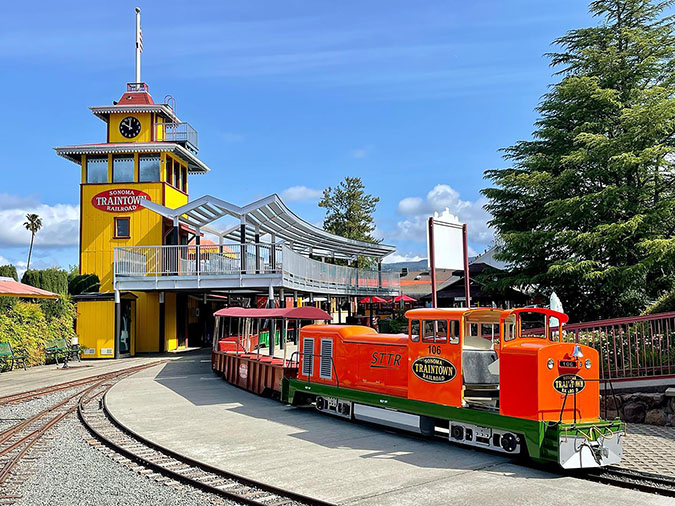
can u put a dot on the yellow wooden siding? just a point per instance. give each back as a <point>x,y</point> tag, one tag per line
<point>174,198</point>
<point>170,321</point>
<point>97,241</point>
<point>147,309</point>
<point>96,326</point>
<point>145,135</point>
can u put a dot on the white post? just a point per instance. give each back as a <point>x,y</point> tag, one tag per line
<point>139,48</point>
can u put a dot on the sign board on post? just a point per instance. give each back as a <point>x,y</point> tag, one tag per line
<point>447,249</point>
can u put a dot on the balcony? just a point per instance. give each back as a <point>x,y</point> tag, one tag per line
<point>234,265</point>
<point>180,133</point>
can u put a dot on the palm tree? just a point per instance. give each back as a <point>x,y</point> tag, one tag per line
<point>33,223</point>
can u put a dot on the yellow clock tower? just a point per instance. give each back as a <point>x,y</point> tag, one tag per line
<point>148,154</point>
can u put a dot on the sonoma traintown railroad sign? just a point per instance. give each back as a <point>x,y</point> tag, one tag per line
<point>121,200</point>
<point>434,369</point>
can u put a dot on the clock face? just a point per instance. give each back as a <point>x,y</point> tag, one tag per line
<point>130,127</point>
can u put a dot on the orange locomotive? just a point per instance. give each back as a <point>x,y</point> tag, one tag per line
<point>491,378</point>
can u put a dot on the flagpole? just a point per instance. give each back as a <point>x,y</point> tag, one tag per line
<point>138,44</point>
<point>467,279</point>
<point>432,263</point>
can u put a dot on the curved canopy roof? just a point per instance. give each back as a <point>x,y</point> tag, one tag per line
<point>291,313</point>
<point>269,215</point>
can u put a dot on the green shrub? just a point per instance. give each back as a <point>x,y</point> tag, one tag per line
<point>27,327</point>
<point>664,304</point>
<point>7,303</point>
<point>83,283</point>
<point>8,271</point>
<point>52,279</point>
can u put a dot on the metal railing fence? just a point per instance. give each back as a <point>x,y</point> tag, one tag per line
<point>634,347</point>
<point>298,271</point>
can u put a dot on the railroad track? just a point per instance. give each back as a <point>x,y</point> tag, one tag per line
<point>165,465</point>
<point>31,394</point>
<point>628,478</point>
<point>24,442</point>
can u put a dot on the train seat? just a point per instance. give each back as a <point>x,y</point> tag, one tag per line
<point>475,369</point>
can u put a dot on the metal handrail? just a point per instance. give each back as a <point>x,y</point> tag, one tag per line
<point>297,271</point>
<point>333,368</point>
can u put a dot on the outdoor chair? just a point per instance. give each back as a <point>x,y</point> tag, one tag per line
<point>8,357</point>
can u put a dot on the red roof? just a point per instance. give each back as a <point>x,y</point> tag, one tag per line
<point>11,288</point>
<point>290,313</point>
<point>136,98</point>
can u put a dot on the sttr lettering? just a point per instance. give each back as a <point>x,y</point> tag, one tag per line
<point>381,360</point>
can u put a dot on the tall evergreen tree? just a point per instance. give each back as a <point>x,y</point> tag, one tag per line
<point>587,207</point>
<point>349,212</point>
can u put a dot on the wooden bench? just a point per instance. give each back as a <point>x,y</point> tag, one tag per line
<point>59,348</point>
<point>8,357</point>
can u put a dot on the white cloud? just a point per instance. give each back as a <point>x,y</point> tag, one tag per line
<point>442,199</point>
<point>397,257</point>
<point>361,152</point>
<point>60,223</point>
<point>299,193</point>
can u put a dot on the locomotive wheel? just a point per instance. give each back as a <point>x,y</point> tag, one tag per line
<point>509,442</point>
<point>320,403</point>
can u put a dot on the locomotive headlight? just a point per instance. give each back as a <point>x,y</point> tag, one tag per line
<point>550,363</point>
<point>588,363</point>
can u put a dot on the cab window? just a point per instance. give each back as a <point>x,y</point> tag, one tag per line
<point>414,331</point>
<point>435,331</point>
<point>453,331</point>
<point>532,324</point>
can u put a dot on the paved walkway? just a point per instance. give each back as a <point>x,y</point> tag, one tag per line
<point>18,380</point>
<point>184,406</point>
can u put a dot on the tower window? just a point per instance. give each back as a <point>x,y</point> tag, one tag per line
<point>169,169</point>
<point>123,169</point>
<point>176,174</point>
<point>122,228</point>
<point>183,179</point>
<point>148,168</point>
<point>97,169</point>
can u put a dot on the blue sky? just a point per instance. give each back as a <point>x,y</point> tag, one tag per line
<point>416,98</point>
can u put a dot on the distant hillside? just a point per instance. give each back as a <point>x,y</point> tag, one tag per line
<point>420,265</point>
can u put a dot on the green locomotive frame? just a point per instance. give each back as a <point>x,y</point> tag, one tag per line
<point>541,438</point>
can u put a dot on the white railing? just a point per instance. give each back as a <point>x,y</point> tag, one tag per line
<point>192,260</point>
<point>297,271</point>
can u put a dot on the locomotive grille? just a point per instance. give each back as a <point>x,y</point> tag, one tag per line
<point>308,356</point>
<point>326,369</point>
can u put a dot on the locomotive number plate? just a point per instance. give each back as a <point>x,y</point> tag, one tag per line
<point>569,384</point>
<point>569,363</point>
<point>434,369</point>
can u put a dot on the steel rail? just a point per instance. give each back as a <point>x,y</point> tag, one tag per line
<point>29,440</point>
<point>30,394</point>
<point>632,479</point>
<point>235,487</point>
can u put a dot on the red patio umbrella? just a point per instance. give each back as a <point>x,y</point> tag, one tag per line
<point>370,300</point>
<point>404,298</point>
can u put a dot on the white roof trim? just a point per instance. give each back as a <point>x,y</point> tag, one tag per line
<point>101,111</point>
<point>271,216</point>
<point>73,153</point>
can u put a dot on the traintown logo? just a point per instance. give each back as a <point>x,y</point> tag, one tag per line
<point>122,200</point>
<point>569,384</point>
<point>434,369</point>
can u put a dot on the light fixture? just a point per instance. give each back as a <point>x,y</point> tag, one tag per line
<point>588,363</point>
<point>550,363</point>
<point>577,352</point>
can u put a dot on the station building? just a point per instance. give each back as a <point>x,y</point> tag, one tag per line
<point>142,235</point>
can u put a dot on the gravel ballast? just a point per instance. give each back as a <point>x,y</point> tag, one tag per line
<point>74,472</point>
